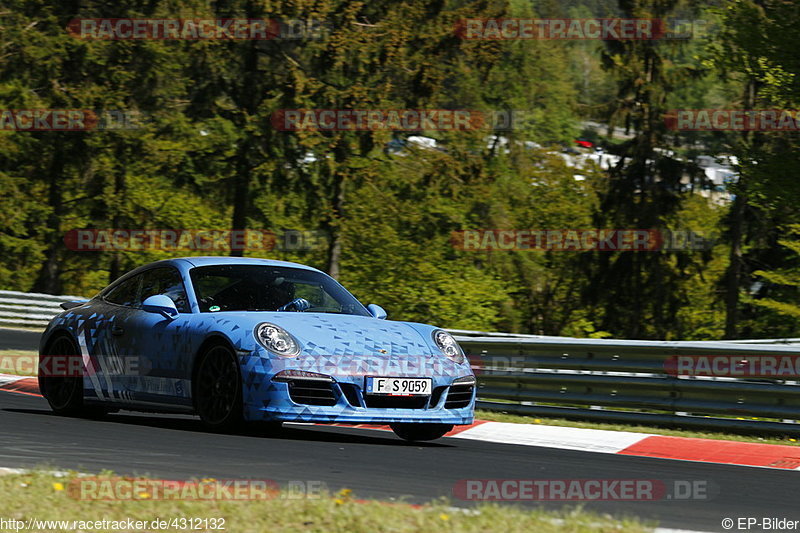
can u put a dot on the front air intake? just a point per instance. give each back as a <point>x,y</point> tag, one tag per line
<point>312,392</point>
<point>459,396</point>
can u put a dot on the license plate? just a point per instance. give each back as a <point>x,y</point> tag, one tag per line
<point>399,386</point>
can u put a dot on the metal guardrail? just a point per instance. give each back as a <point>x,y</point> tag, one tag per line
<point>29,309</point>
<point>627,381</point>
<point>597,379</point>
<point>791,341</point>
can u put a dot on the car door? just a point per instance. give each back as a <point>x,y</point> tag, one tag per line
<point>103,354</point>
<point>147,356</point>
<point>159,346</point>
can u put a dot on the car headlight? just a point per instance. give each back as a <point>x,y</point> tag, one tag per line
<point>448,345</point>
<point>277,340</point>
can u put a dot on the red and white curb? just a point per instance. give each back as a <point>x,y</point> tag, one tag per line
<point>19,384</point>
<point>638,444</point>
<point>580,439</point>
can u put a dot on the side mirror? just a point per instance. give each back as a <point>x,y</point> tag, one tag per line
<point>376,311</point>
<point>161,304</point>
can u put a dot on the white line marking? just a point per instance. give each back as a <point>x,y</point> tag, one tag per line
<point>566,438</point>
<point>8,379</point>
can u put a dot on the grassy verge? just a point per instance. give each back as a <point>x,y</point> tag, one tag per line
<point>522,419</point>
<point>44,496</point>
<point>18,362</point>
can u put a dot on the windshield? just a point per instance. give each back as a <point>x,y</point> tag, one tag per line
<point>270,288</point>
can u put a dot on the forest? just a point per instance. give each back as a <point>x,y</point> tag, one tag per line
<point>163,134</point>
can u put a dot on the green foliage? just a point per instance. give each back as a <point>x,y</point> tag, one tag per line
<point>785,282</point>
<point>757,50</point>
<point>204,155</point>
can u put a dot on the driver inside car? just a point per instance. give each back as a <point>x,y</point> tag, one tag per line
<point>279,293</point>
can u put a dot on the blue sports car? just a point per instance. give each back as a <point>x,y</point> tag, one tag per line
<point>237,340</point>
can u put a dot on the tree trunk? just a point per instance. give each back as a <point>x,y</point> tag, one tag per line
<point>334,228</point>
<point>241,198</point>
<point>49,280</point>
<point>733,278</point>
<point>120,192</point>
<point>248,100</point>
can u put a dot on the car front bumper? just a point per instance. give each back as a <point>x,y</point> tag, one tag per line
<point>343,400</point>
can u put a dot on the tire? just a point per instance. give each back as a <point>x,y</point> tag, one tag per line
<point>65,393</point>
<point>420,432</point>
<point>218,390</point>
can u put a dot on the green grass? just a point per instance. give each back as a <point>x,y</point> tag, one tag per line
<point>19,362</point>
<point>44,496</point>
<point>523,419</point>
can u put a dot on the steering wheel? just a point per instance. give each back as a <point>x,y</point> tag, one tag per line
<point>298,304</point>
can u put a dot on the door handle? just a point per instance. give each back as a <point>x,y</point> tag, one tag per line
<point>117,330</point>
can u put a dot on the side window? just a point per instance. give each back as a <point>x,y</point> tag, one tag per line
<point>165,281</point>
<point>126,293</point>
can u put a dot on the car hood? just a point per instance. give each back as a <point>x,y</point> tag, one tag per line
<point>348,346</point>
<point>334,334</point>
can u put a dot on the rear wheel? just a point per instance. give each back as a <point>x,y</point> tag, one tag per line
<point>218,390</point>
<point>64,392</point>
<point>420,432</point>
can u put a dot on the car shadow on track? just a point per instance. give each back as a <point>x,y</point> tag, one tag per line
<point>317,433</point>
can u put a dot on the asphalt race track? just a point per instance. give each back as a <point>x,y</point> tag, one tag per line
<point>373,463</point>
<point>19,339</point>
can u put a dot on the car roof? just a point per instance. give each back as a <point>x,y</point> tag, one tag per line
<point>182,262</point>
<point>225,260</point>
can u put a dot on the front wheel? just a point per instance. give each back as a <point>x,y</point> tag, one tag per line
<point>420,432</point>
<point>218,392</point>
